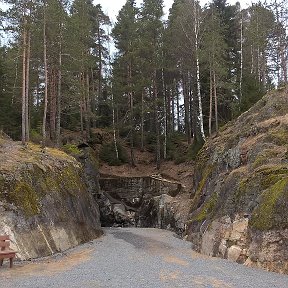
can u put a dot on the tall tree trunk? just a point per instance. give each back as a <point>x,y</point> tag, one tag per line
<point>210,102</point>
<point>59,92</point>
<point>131,100</point>
<point>81,104</point>
<point>88,107</point>
<point>186,107</point>
<point>252,59</point>
<point>241,59</point>
<point>27,78</point>
<point>24,82</point>
<point>165,116</point>
<point>157,120</point>
<point>178,108</point>
<point>93,100</point>
<point>200,134</point>
<point>100,64</point>
<point>216,102</point>
<point>169,112</point>
<point>142,119</point>
<point>191,100</point>
<point>85,105</point>
<point>46,81</point>
<point>114,125</point>
<point>52,102</point>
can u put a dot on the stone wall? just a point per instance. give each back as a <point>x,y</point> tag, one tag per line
<point>136,201</point>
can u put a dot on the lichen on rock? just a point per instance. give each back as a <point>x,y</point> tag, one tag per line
<point>243,174</point>
<point>45,203</point>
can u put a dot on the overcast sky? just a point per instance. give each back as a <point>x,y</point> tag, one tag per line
<point>111,7</point>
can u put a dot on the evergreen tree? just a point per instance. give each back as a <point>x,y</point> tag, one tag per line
<point>125,35</point>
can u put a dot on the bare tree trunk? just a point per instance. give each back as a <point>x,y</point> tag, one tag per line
<point>252,59</point>
<point>210,103</point>
<point>24,83</point>
<point>27,78</point>
<point>93,102</point>
<point>46,82</point>
<point>85,104</point>
<point>200,113</point>
<point>52,102</point>
<point>113,123</point>
<point>59,92</point>
<point>81,117</point>
<point>241,59</point>
<point>169,112</point>
<point>155,93</point>
<point>165,116</point>
<point>131,100</point>
<point>100,64</point>
<point>216,102</point>
<point>186,106</point>
<point>178,109</point>
<point>191,100</point>
<point>142,120</point>
<point>88,107</point>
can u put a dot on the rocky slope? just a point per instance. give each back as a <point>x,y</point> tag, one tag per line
<point>240,198</point>
<point>46,205</point>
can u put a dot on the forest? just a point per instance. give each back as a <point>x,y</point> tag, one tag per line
<point>151,82</point>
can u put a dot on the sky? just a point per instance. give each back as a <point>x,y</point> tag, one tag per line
<point>111,7</point>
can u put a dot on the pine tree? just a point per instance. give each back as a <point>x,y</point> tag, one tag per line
<point>125,35</point>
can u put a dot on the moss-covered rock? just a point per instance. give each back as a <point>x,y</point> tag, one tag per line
<point>269,213</point>
<point>46,204</point>
<point>243,172</point>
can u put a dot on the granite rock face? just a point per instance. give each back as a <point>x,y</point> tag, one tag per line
<point>240,199</point>
<point>46,205</point>
<point>138,201</point>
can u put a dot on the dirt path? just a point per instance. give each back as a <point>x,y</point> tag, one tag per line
<point>136,258</point>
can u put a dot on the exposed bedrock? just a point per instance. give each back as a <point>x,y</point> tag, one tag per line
<point>240,198</point>
<point>138,201</point>
<point>46,206</point>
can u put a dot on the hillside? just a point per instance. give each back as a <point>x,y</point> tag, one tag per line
<point>45,203</point>
<point>239,203</point>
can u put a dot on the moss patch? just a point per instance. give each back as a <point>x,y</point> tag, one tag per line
<point>207,208</point>
<point>71,149</point>
<point>279,137</point>
<point>205,176</point>
<point>264,157</point>
<point>24,196</point>
<point>263,177</point>
<point>271,212</point>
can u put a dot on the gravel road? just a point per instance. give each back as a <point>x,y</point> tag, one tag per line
<point>135,258</point>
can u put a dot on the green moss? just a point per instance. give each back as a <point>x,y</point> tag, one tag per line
<point>25,197</point>
<point>64,181</point>
<point>242,188</point>
<point>72,181</point>
<point>273,170</point>
<point>264,157</point>
<point>205,176</point>
<point>263,177</point>
<point>269,214</point>
<point>259,161</point>
<point>71,149</point>
<point>207,208</point>
<point>279,137</point>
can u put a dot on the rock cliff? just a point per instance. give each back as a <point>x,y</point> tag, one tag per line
<point>240,198</point>
<point>46,205</point>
